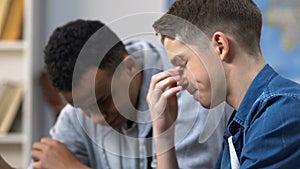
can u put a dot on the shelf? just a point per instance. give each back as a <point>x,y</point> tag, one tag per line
<point>16,57</point>
<point>11,138</point>
<point>12,45</point>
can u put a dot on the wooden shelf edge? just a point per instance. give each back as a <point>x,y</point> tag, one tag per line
<point>12,45</point>
<point>11,138</point>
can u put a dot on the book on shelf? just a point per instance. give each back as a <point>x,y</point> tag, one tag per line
<point>4,5</point>
<point>10,103</point>
<point>14,21</point>
<point>2,89</point>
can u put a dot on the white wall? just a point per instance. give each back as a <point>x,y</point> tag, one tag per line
<point>58,12</point>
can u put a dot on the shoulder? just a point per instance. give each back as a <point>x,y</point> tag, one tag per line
<point>68,113</point>
<point>280,86</point>
<point>136,45</point>
<point>149,53</point>
<point>281,95</point>
<point>275,128</point>
<point>278,106</point>
<point>68,120</point>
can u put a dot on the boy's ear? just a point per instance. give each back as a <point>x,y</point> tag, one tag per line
<point>221,45</point>
<point>130,65</point>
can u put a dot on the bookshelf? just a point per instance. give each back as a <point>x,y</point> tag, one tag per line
<point>16,57</point>
<point>12,46</point>
<point>12,138</point>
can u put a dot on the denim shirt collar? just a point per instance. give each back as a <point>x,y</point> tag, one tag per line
<point>256,88</point>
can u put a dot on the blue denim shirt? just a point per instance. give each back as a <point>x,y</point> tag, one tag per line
<point>266,127</point>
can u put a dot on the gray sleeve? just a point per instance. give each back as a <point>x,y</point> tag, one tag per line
<point>154,163</point>
<point>30,165</point>
<point>189,126</point>
<point>67,130</point>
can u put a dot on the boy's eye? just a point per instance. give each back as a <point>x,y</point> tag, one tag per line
<point>178,61</point>
<point>182,65</point>
<point>102,100</point>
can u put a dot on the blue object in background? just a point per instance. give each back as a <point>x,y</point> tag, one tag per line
<point>170,2</point>
<point>281,36</point>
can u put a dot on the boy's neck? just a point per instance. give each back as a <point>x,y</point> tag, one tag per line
<point>240,76</point>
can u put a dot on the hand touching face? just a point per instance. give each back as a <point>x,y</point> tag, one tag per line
<point>162,99</point>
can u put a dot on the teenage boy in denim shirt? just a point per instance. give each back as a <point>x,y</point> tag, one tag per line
<point>264,130</point>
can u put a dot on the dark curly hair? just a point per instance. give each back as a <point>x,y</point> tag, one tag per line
<point>240,18</point>
<point>65,45</point>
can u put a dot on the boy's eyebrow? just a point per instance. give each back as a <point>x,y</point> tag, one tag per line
<point>89,102</point>
<point>176,59</point>
<point>101,99</point>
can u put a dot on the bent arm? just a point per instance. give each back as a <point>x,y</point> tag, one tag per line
<point>49,153</point>
<point>165,150</point>
<point>162,101</point>
<point>4,164</point>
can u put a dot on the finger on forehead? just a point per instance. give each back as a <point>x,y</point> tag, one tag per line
<point>165,83</point>
<point>163,75</point>
<point>160,88</point>
<point>172,92</point>
<point>174,71</point>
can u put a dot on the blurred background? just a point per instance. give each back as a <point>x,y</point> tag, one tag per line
<point>28,103</point>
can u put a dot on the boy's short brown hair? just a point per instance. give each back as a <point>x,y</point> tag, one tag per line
<point>241,19</point>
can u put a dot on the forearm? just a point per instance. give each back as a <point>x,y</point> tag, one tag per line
<point>49,153</point>
<point>167,160</point>
<point>83,167</point>
<point>162,101</point>
<point>165,150</point>
<point>4,164</point>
